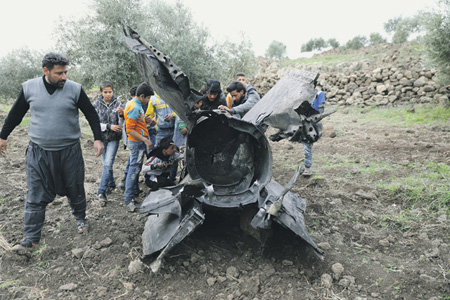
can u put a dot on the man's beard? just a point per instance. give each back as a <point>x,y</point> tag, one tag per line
<point>58,84</point>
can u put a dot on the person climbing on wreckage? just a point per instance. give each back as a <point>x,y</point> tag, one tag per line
<point>243,99</point>
<point>213,96</point>
<point>54,161</point>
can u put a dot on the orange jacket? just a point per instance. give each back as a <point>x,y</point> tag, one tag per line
<point>135,119</point>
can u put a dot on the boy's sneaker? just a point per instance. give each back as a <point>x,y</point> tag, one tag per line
<point>82,226</point>
<point>307,173</point>
<point>132,206</point>
<point>102,198</point>
<point>24,246</point>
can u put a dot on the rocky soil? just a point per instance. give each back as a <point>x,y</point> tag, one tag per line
<point>377,244</point>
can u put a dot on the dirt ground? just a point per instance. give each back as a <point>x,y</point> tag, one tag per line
<point>368,255</point>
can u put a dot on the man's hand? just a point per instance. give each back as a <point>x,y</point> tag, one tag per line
<point>223,107</point>
<point>2,146</point>
<point>148,144</point>
<point>168,117</point>
<point>184,131</point>
<point>120,111</point>
<point>161,165</point>
<point>153,122</point>
<point>116,128</point>
<point>98,147</point>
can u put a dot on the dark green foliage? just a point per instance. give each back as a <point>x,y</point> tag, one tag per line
<point>276,50</point>
<point>404,27</point>
<point>375,38</point>
<point>17,67</point>
<point>314,44</point>
<point>357,42</point>
<point>333,43</point>
<point>96,44</point>
<point>437,40</point>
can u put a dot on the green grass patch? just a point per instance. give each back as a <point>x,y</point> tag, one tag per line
<point>429,186</point>
<point>25,121</point>
<point>5,108</point>
<point>10,283</point>
<point>376,168</point>
<point>406,220</point>
<point>401,116</point>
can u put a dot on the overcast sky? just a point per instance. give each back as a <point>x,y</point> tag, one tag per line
<point>292,22</point>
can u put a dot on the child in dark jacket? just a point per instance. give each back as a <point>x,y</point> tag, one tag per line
<point>157,168</point>
<point>110,112</point>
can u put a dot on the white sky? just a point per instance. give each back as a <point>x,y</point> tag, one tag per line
<point>293,22</point>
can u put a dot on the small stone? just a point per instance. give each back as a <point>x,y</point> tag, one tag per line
<point>68,287</point>
<point>326,281</point>
<point>344,283</point>
<point>106,242</point>
<point>404,162</point>
<point>128,285</point>
<point>211,281</point>
<point>384,243</point>
<point>436,243</point>
<point>221,279</point>
<point>337,269</point>
<point>203,269</point>
<point>287,262</point>
<point>426,277</point>
<point>89,253</point>
<point>351,279</point>
<point>134,267</point>
<point>78,253</point>
<point>366,195</point>
<point>433,252</point>
<point>232,272</point>
<point>324,246</point>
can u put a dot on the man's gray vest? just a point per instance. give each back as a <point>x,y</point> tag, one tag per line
<point>54,123</point>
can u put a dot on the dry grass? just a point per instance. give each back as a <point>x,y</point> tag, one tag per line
<point>4,244</point>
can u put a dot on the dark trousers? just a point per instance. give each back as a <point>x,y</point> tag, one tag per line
<point>161,181</point>
<point>51,173</point>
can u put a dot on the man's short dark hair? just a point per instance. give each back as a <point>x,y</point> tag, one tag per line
<point>105,84</point>
<point>240,74</point>
<point>166,142</point>
<point>144,89</point>
<point>53,59</point>
<point>236,86</point>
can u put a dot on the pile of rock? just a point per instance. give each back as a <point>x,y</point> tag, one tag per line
<point>366,82</point>
<point>382,86</point>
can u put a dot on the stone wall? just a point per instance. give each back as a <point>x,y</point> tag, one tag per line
<point>393,78</point>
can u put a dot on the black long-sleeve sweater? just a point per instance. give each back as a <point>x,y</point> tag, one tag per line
<point>21,106</point>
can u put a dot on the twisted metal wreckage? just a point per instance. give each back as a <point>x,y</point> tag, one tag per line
<point>229,160</point>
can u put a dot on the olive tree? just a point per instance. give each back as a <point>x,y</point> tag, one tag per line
<point>314,44</point>
<point>356,43</point>
<point>402,28</point>
<point>437,39</point>
<point>15,68</point>
<point>97,46</point>
<point>333,43</point>
<point>376,38</point>
<point>276,50</point>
